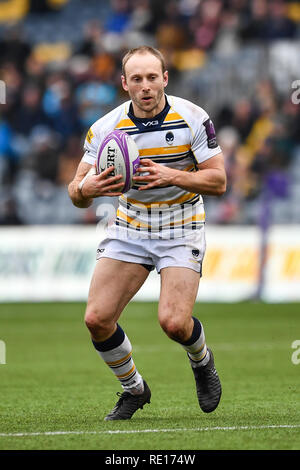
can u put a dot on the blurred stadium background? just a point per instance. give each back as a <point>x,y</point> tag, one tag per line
<point>60,71</point>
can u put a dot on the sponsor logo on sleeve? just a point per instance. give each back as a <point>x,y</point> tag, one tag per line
<point>211,134</point>
<point>89,136</point>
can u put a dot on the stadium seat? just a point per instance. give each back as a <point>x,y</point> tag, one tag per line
<point>52,52</point>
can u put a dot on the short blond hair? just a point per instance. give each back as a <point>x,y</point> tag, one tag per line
<point>144,50</point>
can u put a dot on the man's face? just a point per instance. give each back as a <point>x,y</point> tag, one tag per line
<point>145,83</point>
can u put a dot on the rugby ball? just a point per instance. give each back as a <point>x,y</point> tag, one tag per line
<point>118,149</point>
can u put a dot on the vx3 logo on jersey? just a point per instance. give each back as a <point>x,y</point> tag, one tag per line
<point>150,123</point>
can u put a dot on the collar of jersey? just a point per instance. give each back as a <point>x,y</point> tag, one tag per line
<point>147,124</point>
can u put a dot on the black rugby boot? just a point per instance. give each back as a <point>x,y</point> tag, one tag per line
<point>208,385</point>
<point>128,404</point>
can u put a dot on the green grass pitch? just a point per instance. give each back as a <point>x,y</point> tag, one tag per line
<point>55,390</point>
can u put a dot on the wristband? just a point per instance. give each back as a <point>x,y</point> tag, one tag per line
<point>92,171</point>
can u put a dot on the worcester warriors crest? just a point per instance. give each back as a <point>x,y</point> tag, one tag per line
<point>170,138</point>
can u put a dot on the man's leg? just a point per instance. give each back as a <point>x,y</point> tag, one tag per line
<point>179,287</point>
<point>113,285</point>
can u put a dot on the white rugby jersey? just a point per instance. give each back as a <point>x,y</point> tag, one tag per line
<point>181,136</point>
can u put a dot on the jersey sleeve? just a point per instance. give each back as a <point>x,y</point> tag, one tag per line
<point>204,143</point>
<point>90,146</point>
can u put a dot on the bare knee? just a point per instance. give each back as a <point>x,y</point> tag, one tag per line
<point>176,328</point>
<point>101,327</point>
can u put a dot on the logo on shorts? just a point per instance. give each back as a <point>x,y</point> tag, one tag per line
<point>195,253</point>
<point>170,138</point>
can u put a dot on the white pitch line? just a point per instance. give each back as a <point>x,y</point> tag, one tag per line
<point>137,431</point>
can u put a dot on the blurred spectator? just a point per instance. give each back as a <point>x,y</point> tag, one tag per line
<point>61,108</point>
<point>243,118</point>
<point>269,21</point>
<point>8,212</point>
<point>13,81</point>
<point>142,26</point>
<point>119,18</point>
<point>229,140</point>
<point>69,160</point>
<point>30,113</point>
<point>35,69</point>
<point>206,23</point>
<point>240,116</point>
<point>94,99</point>
<point>43,156</point>
<point>14,48</point>
<point>291,114</point>
<point>255,24</point>
<point>142,16</point>
<point>8,157</point>
<point>275,152</point>
<point>171,33</point>
<point>92,37</point>
<point>279,25</point>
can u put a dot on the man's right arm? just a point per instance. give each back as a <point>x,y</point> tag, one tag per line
<point>73,189</point>
<point>94,186</point>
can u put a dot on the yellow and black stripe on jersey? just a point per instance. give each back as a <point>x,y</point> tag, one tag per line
<point>166,154</point>
<point>160,220</point>
<point>165,121</point>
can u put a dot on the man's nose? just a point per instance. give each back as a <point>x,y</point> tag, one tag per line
<point>145,85</point>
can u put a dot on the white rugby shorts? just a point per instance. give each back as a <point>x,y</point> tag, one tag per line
<point>186,252</point>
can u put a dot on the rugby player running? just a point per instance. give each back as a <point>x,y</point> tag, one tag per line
<point>159,224</point>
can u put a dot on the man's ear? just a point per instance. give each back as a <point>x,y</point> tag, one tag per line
<point>124,84</point>
<point>166,78</point>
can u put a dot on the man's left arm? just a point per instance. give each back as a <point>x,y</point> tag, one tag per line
<point>210,179</point>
